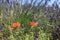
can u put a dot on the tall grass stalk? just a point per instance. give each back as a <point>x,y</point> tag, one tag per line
<point>9,26</point>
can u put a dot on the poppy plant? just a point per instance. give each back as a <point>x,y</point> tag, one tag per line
<point>16,25</point>
<point>33,23</point>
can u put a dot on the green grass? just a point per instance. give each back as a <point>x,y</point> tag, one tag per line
<point>24,16</point>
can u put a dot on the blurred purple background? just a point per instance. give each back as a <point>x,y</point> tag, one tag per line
<point>49,3</point>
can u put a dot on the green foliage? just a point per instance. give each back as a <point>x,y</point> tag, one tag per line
<point>24,16</point>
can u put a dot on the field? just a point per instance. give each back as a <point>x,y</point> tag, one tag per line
<point>29,22</point>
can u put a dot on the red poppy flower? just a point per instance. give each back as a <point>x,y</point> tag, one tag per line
<point>16,25</point>
<point>33,23</point>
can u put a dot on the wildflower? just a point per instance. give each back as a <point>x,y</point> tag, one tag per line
<point>16,25</point>
<point>33,23</point>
